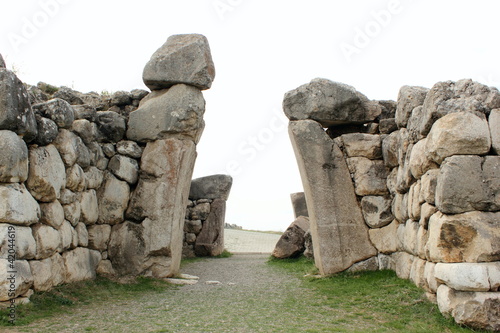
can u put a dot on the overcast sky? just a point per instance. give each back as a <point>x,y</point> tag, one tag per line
<point>261,50</point>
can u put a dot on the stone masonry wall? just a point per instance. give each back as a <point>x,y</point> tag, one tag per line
<point>94,183</point>
<point>424,173</point>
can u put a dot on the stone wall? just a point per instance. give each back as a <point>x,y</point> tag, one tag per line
<point>93,183</point>
<point>412,186</point>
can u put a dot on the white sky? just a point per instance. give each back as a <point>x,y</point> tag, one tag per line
<point>261,49</point>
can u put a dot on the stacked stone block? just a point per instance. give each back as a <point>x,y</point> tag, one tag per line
<point>425,172</point>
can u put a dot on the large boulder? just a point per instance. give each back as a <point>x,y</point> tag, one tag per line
<point>182,59</point>
<point>377,211</point>
<point>292,242</point>
<point>18,283</point>
<point>48,272</point>
<point>370,176</point>
<point>15,109</point>
<point>329,103</point>
<point>299,204</point>
<point>469,276</point>
<point>80,264</point>
<point>174,112</point>
<point>98,236</point>
<point>409,98</point>
<point>13,159</point>
<point>113,197</point>
<point>17,206</point>
<point>24,246</point>
<point>210,241</point>
<point>211,187</point>
<point>362,145</point>
<point>339,233</point>
<point>57,110</point>
<point>48,240</point>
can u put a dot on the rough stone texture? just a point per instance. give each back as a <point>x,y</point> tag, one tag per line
<point>83,235</point>
<point>25,246</point>
<point>370,177</point>
<point>23,278</point>
<point>329,103</point>
<point>80,264</point>
<point>111,126</point>
<point>340,236</point>
<point>400,207</point>
<point>125,168</point>
<point>86,130</point>
<point>405,177</point>
<point>89,207</point>
<point>419,160</point>
<point>75,179</point>
<point>52,214</point>
<point>113,197</point>
<point>73,212</point>
<point>387,126</point>
<point>200,211</point>
<point>417,273</point>
<point>66,233</point>
<point>467,237</point>
<point>57,110</point>
<point>385,239</point>
<point>404,262</point>
<point>432,283</point>
<point>85,111</point>
<point>414,124</point>
<point>464,95</point>
<point>467,183</point>
<point>48,240</point>
<point>469,276</point>
<point>129,148</point>
<point>428,184</point>
<point>15,110</point>
<point>494,123</point>
<point>292,242</point>
<point>211,187</point>
<point>47,175</point>
<point>48,273</point>
<point>377,211</point>
<point>210,241</point>
<point>69,95</point>
<point>459,133</point>
<point>409,98</point>
<point>176,112</point>
<point>17,205</point>
<point>47,131</point>
<point>97,157</point>
<point>67,144</point>
<point>94,178</point>
<point>299,204</point>
<point>105,268</point>
<point>390,150</point>
<point>365,265</point>
<point>2,62</point>
<point>308,245</point>
<point>182,59</point>
<point>98,236</point>
<point>414,203</point>
<point>193,226</point>
<point>14,158</point>
<point>362,145</point>
<point>121,98</point>
<point>392,180</point>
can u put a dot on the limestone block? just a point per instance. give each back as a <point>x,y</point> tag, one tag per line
<point>365,265</point>
<point>386,262</point>
<point>464,95</point>
<point>432,283</point>
<point>16,114</point>
<point>94,178</point>
<point>404,262</point>
<point>86,130</point>
<point>48,240</point>
<point>22,242</point>
<point>428,184</point>
<point>411,237</point>
<point>387,126</point>
<point>390,149</point>
<point>47,175</point>
<point>362,145</point>
<point>469,276</point>
<point>75,179</point>
<point>392,180</point>
<point>73,212</point>
<point>419,161</point>
<point>494,123</point>
<point>111,126</point>
<point>14,158</point>
<point>414,124</point>
<point>86,111</point>
<point>125,168</point>
<point>377,211</point>
<point>89,207</point>
<point>400,207</point>
<point>211,187</point>
<point>329,103</point>
<point>80,264</point>
<point>127,248</point>
<point>340,236</point>
<point>113,197</point>
<point>52,214</point>
<point>417,273</point>
<point>47,131</point>
<point>14,284</point>
<point>467,183</point>
<point>422,238</point>
<point>47,273</point>
<point>370,177</point>
<point>67,145</point>
<point>414,204</point>
<point>385,239</point>
<point>97,157</point>
<point>66,233</point>
<point>58,110</point>
<point>182,59</point>
<point>426,212</point>
<point>299,204</point>
<point>409,98</point>
<point>210,241</point>
<point>292,242</point>
<point>129,148</point>
<point>459,133</point>
<point>468,237</point>
<point>105,268</point>
<point>98,236</point>
<point>405,177</point>
<point>17,205</point>
<point>176,112</point>
<point>83,235</point>
<point>68,197</point>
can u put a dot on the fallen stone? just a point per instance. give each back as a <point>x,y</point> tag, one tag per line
<point>299,204</point>
<point>57,110</point>
<point>377,211</point>
<point>17,205</point>
<point>292,242</point>
<point>362,145</point>
<point>213,283</point>
<point>408,99</point>
<point>211,187</point>
<point>182,59</point>
<point>182,282</point>
<point>14,158</point>
<point>210,241</point>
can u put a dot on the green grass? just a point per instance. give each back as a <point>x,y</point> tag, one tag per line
<point>62,298</point>
<point>371,298</point>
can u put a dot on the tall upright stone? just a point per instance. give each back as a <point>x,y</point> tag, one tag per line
<point>210,241</point>
<point>339,233</point>
<point>299,204</point>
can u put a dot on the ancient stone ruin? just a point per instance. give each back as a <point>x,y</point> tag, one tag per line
<point>94,184</point>
<point>412,186</point>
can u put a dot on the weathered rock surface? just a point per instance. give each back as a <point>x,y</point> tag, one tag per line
<point>25,246</point>
<point>2,62</point>
<point>22,281</point>
<point>409,98</point>
<point>292,242</point>
<point>113,197</point>
<point>494,123</point>
<point>299,204</point>
<point>469,276</point>
<point>365,265</point>
<point>211,187</point>
<point>182,59</point>
<point>362,145</point>
<point>390,150</point>
<point>89,207</point>
<point>48,240</point>
<point>176,112</point>
<point>125,168</point>
<point>80,264</point>
<point>98,236</point>
<point>47,131</point>
<point>385,238</point>
<point>48,273</point>
<point>52,214</point>
<point>377,211</point>
<point>13,159</point>
<point>340,236</point>
<point>86,130</point>
<point>370,176</point>
<point>57,110</point>
<point>75,179</point>
<point>210,241</point>
<point>111,126</point>
<point>329,103</point>
<point>17,205</point>
<point>459,133</point>
<point>129,148</point>
<point>420,162</point>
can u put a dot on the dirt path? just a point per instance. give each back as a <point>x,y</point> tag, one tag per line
<point>251,296</point>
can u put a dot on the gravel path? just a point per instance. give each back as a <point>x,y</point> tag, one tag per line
<point>250,296</point>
